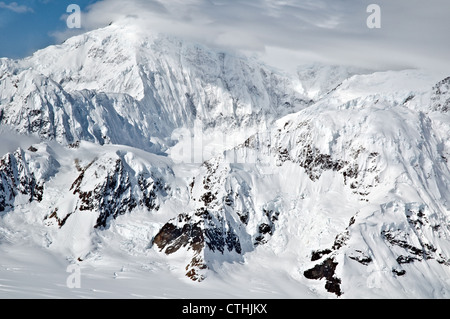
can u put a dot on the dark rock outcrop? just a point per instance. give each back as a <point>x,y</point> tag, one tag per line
<point>17,178</point>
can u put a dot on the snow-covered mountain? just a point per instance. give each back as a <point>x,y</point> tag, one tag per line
<point>330,183</point>
<point>118,85</point>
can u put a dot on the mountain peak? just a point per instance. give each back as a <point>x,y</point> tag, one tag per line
<point>103,60</point>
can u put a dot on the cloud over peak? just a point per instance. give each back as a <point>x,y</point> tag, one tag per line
<point>289,32</point>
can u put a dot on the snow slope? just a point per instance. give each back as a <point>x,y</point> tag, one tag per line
<point>197,173</point>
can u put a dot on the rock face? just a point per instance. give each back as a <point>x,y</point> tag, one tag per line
<point>440,98</point>
<point>224,224</point>
<point>108,187</point>
<point>20,179</point>
<point>114,195</point>
<point>197,233</point>
<point>326,270</point>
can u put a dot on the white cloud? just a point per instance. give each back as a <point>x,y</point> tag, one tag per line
<point>15,7</point>
<point>413,32</point>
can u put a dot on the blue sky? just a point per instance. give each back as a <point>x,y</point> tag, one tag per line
<point>28,25</point>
